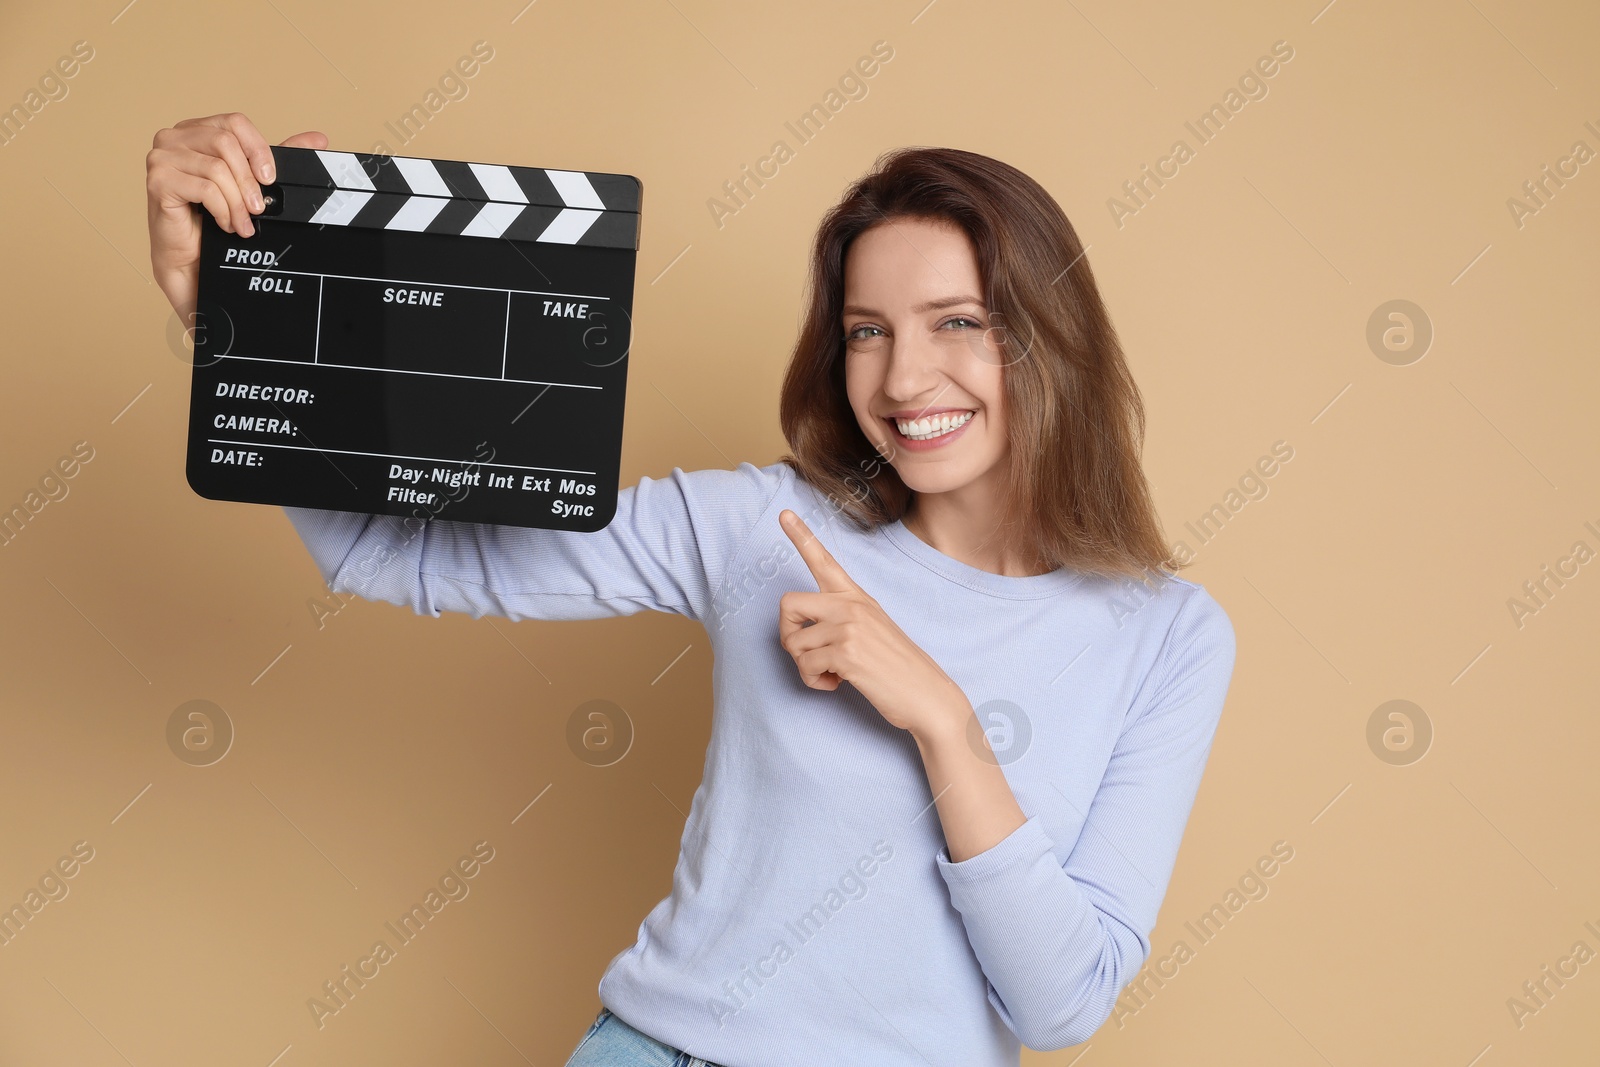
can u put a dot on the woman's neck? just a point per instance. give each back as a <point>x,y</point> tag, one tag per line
<point>965,525</point>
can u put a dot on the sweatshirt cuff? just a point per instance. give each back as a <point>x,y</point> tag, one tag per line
<point>1019,849</point>
<point>329,535</point>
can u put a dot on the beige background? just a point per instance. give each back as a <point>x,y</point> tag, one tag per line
<point>374,750</point>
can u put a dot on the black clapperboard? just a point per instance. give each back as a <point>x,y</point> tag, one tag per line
<point>420,337</point>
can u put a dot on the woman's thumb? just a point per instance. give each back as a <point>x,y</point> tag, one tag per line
<point>308,139</point>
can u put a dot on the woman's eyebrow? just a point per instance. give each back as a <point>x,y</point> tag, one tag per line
<point>932,305</point>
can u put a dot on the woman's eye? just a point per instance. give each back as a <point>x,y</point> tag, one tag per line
<point>965,321</point>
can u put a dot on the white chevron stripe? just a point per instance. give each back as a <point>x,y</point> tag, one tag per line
<point>417,213</point>
<point>570,225</point>
<point>492,220</point>
<point>341,207</point>
<point>344,169</point>
<point>574,187</point>
<point>498,182</point>
<point>421,175</point>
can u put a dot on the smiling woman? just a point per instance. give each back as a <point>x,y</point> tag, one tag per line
<point>956,380</point>
<point>946,539</point>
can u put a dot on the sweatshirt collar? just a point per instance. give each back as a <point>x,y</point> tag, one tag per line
<point>1027,587</point>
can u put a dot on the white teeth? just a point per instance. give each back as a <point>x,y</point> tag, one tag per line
<point>926,429</point>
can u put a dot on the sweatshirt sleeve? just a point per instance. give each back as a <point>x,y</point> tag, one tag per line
<point>1059,941</point>
<point>666,549</point>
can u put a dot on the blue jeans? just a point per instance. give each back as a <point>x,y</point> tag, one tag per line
<point>611,1042</point>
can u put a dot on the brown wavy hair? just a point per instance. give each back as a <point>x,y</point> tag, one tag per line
<point>1076,494</point>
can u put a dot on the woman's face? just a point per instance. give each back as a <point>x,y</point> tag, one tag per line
<point>919,357</point>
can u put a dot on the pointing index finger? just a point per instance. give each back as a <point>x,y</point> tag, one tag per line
<point>830,576</point>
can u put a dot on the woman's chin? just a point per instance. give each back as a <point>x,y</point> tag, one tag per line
<point>929,479</point>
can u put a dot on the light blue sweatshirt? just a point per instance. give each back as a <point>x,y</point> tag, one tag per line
<point>815,915</point>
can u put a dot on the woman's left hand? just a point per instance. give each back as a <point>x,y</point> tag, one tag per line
<point>850,638</point>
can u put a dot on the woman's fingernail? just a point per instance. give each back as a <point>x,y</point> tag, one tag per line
<point>255,202</point>
<point>266,171</point>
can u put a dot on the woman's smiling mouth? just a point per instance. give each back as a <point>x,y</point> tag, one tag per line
<point>931,431</point>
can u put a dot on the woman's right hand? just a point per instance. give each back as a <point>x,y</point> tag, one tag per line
<point>219,162</point>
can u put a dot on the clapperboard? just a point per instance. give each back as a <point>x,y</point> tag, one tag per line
<point>419,337</point>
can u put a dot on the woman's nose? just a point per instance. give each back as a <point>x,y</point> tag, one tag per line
<point>913,370</point>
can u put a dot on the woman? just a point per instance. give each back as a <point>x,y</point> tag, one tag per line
<point>965,847</point>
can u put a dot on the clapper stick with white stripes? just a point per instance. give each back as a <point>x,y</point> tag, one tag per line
<point>469,199</point>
